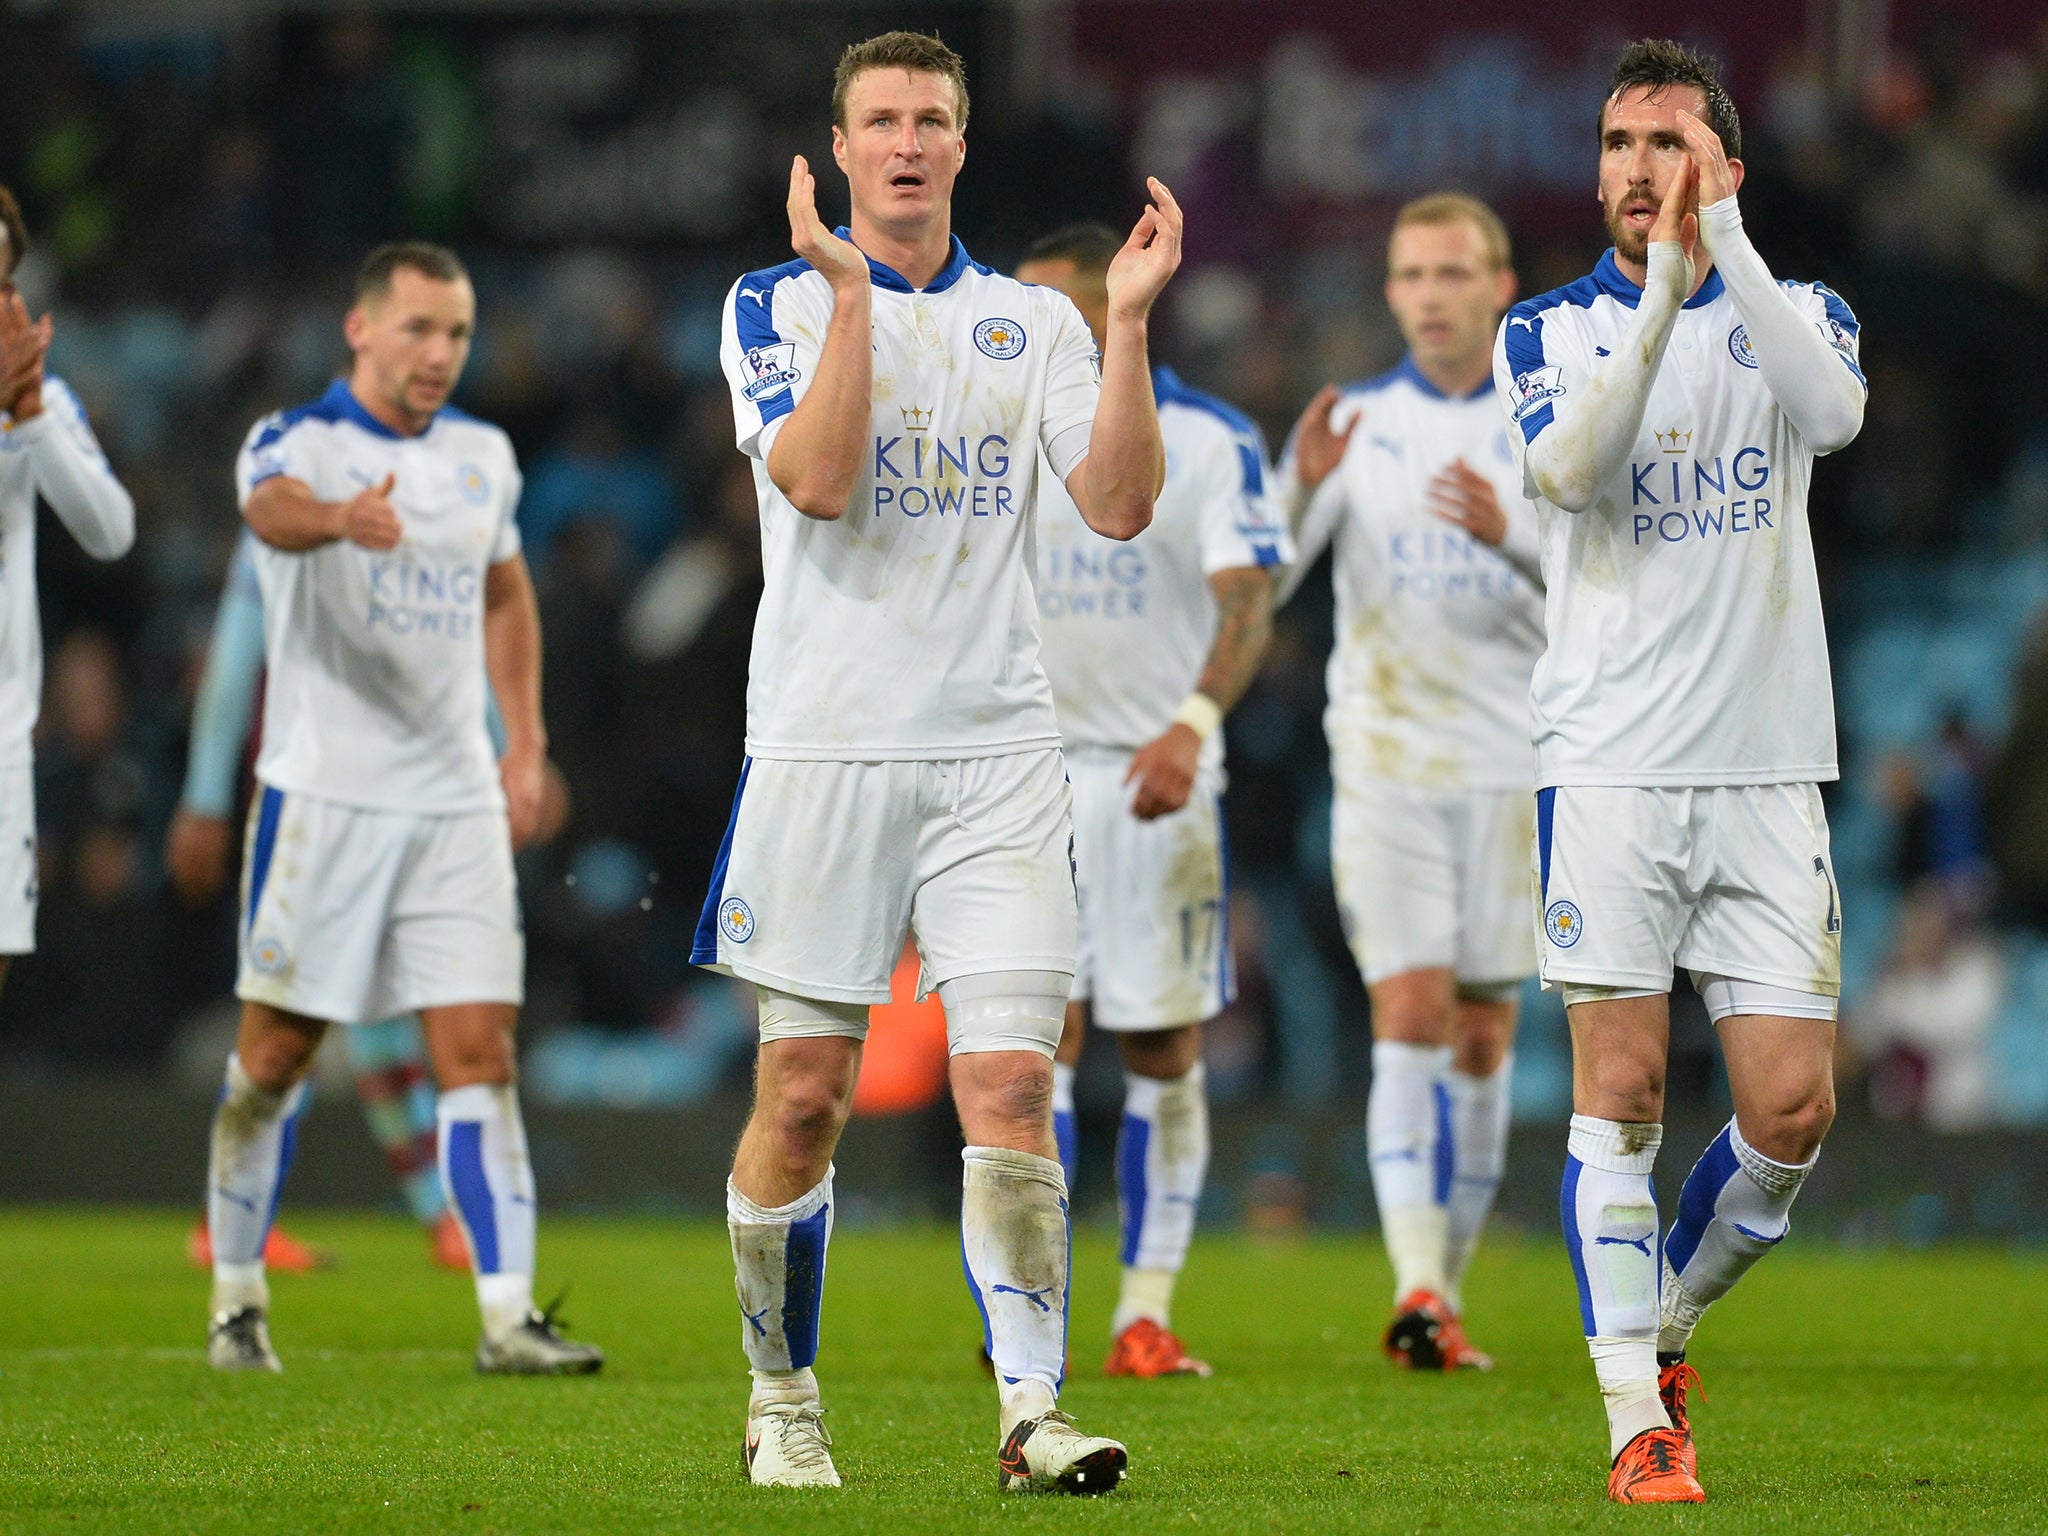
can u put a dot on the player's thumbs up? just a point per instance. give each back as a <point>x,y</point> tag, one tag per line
<point>369,520</point>
<point>390,479</point>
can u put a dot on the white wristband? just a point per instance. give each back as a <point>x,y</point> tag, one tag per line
<point>1200,714</point>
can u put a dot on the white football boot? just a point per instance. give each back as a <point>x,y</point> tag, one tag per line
<point>536,1348</point>
<point>239,1340</point>
<point>789,1447</point>
<point>1049,1453</point>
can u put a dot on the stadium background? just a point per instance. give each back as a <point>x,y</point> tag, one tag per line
<point>201,177</point>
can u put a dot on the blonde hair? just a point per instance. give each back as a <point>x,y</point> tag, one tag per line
<point>1453,207</point>
<point>915,51</point>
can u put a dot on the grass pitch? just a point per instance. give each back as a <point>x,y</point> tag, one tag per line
<point>1848,1392</point>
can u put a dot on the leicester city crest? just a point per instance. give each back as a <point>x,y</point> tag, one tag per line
<point>1000,339</point>
<point>1739,347</point>
<point>1563,923</point>
<point>736,920</point>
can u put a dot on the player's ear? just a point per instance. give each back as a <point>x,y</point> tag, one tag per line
<point>354,325</point>
<point>1505,287</point>
<point>1735,170</point>
<point>839,146</point>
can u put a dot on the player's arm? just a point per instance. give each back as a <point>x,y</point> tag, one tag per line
<point>1820,389</point>
<point>70,471</point>
<point>816,455</point>
<point>285,514</point>
<point>512,657</point>
<point>1590,430</point>
<point>201,836</point>
<point>1164,768</point>
<point>1115,485</point>
<point>1306,490</point>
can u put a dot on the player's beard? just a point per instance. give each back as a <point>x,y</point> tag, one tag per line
<point>1629,244</point>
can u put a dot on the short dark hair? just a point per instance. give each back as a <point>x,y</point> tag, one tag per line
<point>1091,247</point>
<point>919,52</point>
<point>17,232</point>
<point>1659,63</point>
<point>373,278</point>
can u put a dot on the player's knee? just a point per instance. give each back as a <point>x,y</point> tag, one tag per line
<point>1628,1090</point>
<point>1162,1053</point>
<point>806,1110</point>
<point>1796,1132</point>
<point>1003,1092</point>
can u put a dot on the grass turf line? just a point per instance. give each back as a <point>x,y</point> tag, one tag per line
<point>1848,1391</point>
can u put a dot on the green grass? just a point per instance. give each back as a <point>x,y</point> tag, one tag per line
<point>1850,1392</point>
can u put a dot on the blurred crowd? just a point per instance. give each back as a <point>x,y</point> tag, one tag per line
<point>199,196</point>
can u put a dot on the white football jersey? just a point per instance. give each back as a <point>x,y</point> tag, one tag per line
<point>375,678</point>
<point>1128,626</point>
<point>54,455</point>
<point>1437,633</point>
<point>907,629</point>
<point>1685,638</point>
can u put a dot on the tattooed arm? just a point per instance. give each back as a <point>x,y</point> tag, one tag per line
<point>1164,768</point>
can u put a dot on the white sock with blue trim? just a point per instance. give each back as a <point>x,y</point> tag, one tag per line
<point>778,1260</point>
<point>489,1184</point>
<point>253,1134</point>
<point>1735,1208</point>
<point>1162,1157</point>
<point>1477,1125</point>
<point>1014,1245</point>
<point>1609,1213</point>
<point>1066,1130</point>
<point>1401,1138</point>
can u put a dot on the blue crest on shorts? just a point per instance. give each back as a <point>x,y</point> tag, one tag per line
<point>1563,923</point>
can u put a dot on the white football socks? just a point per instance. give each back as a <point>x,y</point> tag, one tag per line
<point>1610,1227</point>
<point>1066,1129</point>
<point>1162,1157</point>
<point>489,1183</point>
<point>1478,1128</point>
<point>1401,1115</point>
<point>778,1257</point>
<point>1735,1208</point>
<point>1014,1240</point>
<point>253,1133</point>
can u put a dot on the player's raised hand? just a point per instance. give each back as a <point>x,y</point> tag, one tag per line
<point>1164,771</point>
<point>369,519</point>
<point>24,344</point>
<point>839,261</point>
<point>1318,447</point>
<point>1676,218</point>
<point>1460,494</point>
<point>1138,273</point>
<point>1717,177</point>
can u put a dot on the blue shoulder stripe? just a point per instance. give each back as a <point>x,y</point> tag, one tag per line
<point>1168,389</point>
<point>281,422</point>
<point>753,315</point>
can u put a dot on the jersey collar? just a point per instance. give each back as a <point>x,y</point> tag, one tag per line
<point>1414,375</point>
<point>888,277</point>
<point>1615,284</point>
<point>342,400</point>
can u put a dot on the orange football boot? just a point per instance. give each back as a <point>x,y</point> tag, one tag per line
<point>281,1252</point>
<point>1145,1350</point>
<point>1458,1352</point>
<point>1415,1337</point>
<point>1651,1470</point>
<point>451,1249</point>
<point>1673,1381</point>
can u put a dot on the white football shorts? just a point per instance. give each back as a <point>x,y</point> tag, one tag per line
<point>18,878</point>
<point>1155,902</point>
<point>826,865</point>
<point>1735,882</point>
<point>350,915</point>
<point>1431,878</point>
